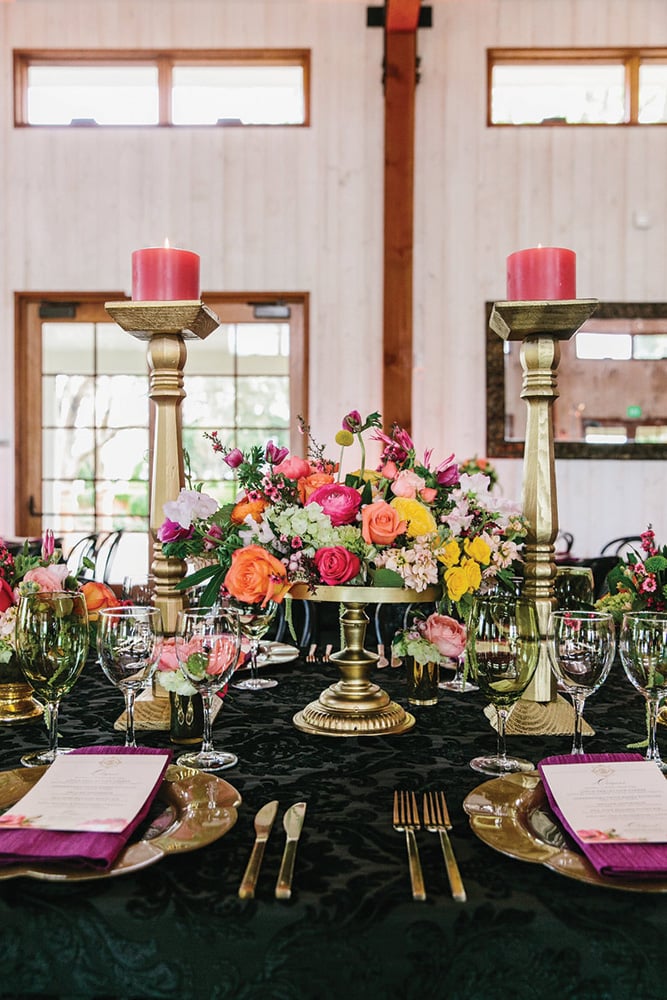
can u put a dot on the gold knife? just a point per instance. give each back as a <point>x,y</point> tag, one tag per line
<point>263,823</point>
<point>292,822</point>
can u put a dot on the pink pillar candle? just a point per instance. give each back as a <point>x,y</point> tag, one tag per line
<point>163,274</point>
<point>541,273</point>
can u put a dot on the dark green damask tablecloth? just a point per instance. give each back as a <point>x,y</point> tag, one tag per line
<point>351,930</point>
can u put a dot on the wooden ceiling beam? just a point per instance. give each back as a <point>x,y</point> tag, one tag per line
<point>401,15</point>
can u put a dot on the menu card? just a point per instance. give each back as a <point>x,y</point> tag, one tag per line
<point>88,792</point>
<point>610,801</point>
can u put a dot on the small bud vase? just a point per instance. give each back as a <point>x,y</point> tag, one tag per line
<point>187,718</point>
<point>421,682</point>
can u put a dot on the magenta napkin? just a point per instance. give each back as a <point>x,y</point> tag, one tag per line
<point>625,860</point>
<point>88,849</point>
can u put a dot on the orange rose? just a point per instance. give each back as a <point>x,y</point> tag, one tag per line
<point>308,484</point>
<point>245,506</point>
<point>256,576</point>
<point>380,524</point>
<point>98,596</point>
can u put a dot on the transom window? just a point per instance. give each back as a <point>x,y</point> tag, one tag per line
<point>158,88</point>
<point>577,86</point>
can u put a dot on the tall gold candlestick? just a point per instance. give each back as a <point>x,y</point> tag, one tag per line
<point>165,326</point>
<point>540,326</point>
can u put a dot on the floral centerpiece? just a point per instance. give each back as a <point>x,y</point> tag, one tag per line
<point>431,640</point>
<point>638,583</point>
<point>471,466</point>
<point>408,523</point>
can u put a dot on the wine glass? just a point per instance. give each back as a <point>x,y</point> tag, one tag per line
<point>504,644</point>
<point>254,621</point>
<point>129,643</point>
<point>581,647</point>
<point>208,643</point>
<point>51,644</point>
<point>138,590</point>
<point>643,647</point>
<point>459,681</point>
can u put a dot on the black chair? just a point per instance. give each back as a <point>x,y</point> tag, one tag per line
<point>82,549</point>
<point>620,546</point>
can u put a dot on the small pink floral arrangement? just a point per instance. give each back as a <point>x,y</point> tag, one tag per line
<point>431,640</point>
<point>638,583</point>
<point>411,522</point>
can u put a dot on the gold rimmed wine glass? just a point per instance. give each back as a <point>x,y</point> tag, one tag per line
<point>643,647</point>
<point>129,643</point>
<point>581,647</point>
<point>504,643</point>
<point>51,645</point>
<point>208,643</point>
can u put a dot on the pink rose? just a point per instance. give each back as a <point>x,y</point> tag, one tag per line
<point>336,565</point>
<point>446,633</point>
<point>389,470</point>
<point>168,659</point>
<point>340,503</point>
<point>293,468</point>
<point>48,578</point>
<point>407,484</point>
<point>428,494</point>
<point>6,596</point>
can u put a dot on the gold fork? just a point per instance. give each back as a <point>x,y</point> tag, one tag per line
<point>406,820</point>
<point>436,820</point>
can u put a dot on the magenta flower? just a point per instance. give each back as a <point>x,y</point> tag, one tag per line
<point>234,458</point>
<point>352,422</point>
<point>447,473</point>
<point>336,565</point>
<point>48,544</point>
<point>274,454</point>
<point>340,503</point>
<point>171,531</point>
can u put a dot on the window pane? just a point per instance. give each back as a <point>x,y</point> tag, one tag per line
<point>216,353</point>
<point>68,347</point>
<point>68,401</point>
<point>597,346</point>
<point>209,399</point>
<point>262,348</point>
<point>652,93</point>
<point>67,498</point>
<point>247,95</point>
<point>68,453</point>
<point>118,352</point>
<point>649,346</point>
<point>108,95</point>
<point>121,401</point>
<point>122,500</point>
<point>122,454</point>
<point>263,402</point>
<point>543,93</point>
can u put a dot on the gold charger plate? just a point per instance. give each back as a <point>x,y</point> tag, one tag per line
<point>512,815</point>
<point>199,808</point>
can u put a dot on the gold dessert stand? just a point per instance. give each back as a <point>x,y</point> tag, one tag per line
<point>354,706</point>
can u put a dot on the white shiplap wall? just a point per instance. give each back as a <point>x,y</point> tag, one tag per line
<point>302,209</point>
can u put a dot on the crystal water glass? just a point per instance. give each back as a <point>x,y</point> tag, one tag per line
<point>254,622</point>
<point>643,647</point>
<point>208,645</point>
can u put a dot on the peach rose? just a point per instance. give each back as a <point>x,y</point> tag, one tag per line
<point>293,468</point>
<point>308,484</point>
<point>255,576</point>
<point>98,596</point>
<point>445,633</point>
<point>380,523</point>
<point>245,507</point>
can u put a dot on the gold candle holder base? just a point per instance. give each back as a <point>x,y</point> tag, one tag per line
<point>540,326</point>
<point>354,706</point>
<point>17,703</point>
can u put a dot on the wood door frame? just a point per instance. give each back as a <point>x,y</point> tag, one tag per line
<point>28,376</point>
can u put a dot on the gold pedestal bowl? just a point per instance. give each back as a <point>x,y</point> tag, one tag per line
<point>354,706</point>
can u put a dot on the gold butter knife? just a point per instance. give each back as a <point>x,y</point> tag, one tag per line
<point>293,823</point>
<point>263,823</point>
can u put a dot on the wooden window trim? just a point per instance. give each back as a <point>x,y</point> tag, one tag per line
<point>630,57</point>
<point>165,60</point>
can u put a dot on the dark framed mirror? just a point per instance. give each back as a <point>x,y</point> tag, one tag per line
<point>612,383</point>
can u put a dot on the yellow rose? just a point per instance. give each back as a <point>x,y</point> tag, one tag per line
<point>369,476</point>
<point>420,519</point>
<point>456,581</point>
<point>477,549</point>
<point>473,574</point>
<point>449,553</point>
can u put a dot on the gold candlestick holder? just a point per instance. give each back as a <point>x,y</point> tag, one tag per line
<point>165,326</point>
<point>540,326</point>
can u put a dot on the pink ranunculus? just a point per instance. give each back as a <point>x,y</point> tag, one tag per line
<point>6,596</point>
<point>407,484</point>
<point>340,503</point>
<point>428,494</point>
<point>171,531</point>
<point>446,633</point>
<point>336,565</point>
<point>293,468</point>
<point>48,578</point>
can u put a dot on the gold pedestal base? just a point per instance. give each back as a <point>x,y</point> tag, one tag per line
<point>354,706</point>
<point>17,703</point>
